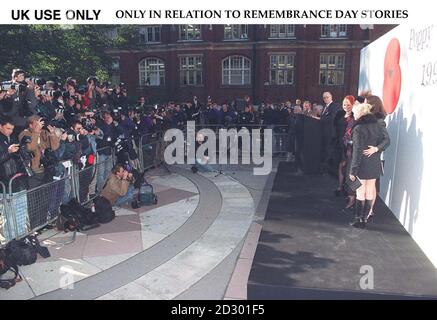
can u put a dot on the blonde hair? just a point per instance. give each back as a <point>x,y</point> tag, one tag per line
<point>365,108</point>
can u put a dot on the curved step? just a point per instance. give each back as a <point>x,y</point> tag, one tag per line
<point>142,263</point>
<point>194,262</point>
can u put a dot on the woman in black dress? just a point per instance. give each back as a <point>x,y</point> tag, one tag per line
<point>379,113</point>
<point>366,132</point>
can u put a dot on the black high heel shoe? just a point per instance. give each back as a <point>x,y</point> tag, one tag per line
<point>337,192</point>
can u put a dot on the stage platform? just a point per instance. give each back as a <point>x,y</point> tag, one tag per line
<point>307,250</point>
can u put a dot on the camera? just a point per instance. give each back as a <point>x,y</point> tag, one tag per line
<point>49,93</point>
<point>36,80</point>
<point>7,85</point>
<point>48,158</point>
<point>88,125</point>
<point>120,144</point>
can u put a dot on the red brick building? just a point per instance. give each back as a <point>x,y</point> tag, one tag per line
<point>269,63</point>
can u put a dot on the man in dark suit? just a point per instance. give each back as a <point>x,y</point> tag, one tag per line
<point>330,109</point>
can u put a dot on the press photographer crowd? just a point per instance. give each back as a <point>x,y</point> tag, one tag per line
<point>49,127</point>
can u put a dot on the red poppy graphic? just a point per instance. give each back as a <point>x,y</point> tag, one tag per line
<point>392,76</point>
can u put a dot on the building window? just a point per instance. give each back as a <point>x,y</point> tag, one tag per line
<point>236,32</point>
<point>334,31</point>
<point>332,69</point>
<point>115,70</point>
<point>282,31</point>
<point>152,72</point>
<point>189,32</point>
<point>150,34</point>
<point>190,70</point>
<point>281,69</point>
<point>115,65</point>
<point>236,71</point>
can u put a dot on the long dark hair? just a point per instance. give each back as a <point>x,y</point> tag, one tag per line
<point>377,106</point>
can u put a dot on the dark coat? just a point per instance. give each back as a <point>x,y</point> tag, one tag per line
<point>11,163</point>
<point>367,132</point>
<point>385,143</point>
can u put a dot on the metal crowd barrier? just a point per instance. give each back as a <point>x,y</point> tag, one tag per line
<point>24,212</point>
<point>4,226</point>
<point>27,211</point>
<point>150,150</point>
<point>282,139</point>
<point>89,181</point>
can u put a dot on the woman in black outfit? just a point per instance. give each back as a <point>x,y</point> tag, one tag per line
<point>366,132</point>
<point>379,113</point>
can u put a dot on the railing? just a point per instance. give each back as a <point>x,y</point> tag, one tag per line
<point>282,138</point>
<point>26,211</point>
<point>151,150</point>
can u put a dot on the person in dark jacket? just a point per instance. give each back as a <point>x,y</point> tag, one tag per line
<point>111,132</point>
<point>22,101</point>
<point>366,132</point>
<point>330,109</point>
<point>11,157</point>
<point>379,113</point>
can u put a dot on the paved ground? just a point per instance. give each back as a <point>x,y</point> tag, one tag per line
<point>195,236</point>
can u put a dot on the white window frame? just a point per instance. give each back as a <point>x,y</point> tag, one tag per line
<point>144,31</point>
<point>190,68</point>
<point>236,66</point>
<point>282,64</point>
<point>332,66</point>
<point>152,69</point>
<point>194,29</point>
<point>333,31</point>
<point>288,32</point>
<point>233,32</point>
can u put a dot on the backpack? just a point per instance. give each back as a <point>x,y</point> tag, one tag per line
<point>104,210</point>
<point>24,252</point>
<point>19,253</point>
<point>146,196</point>
<point>76,217</point>
<point>7,265</point>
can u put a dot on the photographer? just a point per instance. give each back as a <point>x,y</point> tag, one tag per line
<point>104,102</point>
<point>13,157</point>
<point>146,124</point>
<point>228,118</point>
<point>122,100</point>
<point>42,140</point>
<point>22,100</point>
<point>111,132</point>
<point>119,189</point>
<point>178,118</point>
<point>192,112</point>
<point>246,118</point>
<point>45,107</point>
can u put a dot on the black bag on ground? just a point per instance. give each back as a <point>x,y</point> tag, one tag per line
<point>25,251</point>
<point>77,216</point>
<point>5,266</point>
<point>104,210</point>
